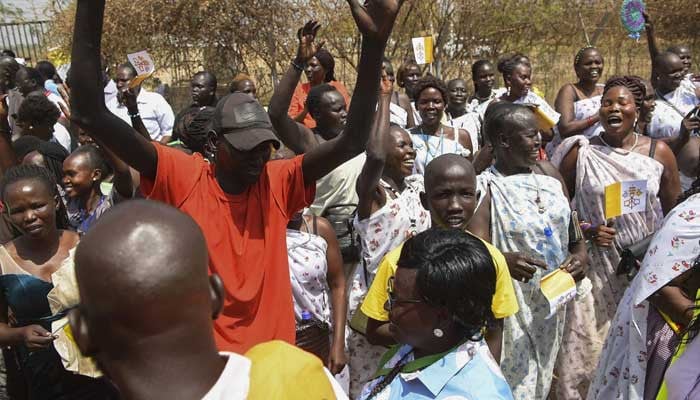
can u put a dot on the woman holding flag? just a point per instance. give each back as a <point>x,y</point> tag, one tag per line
<point>621,156</point>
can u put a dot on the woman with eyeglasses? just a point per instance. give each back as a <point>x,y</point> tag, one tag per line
<point>438,323</point>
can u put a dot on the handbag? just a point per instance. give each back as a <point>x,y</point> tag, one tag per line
<point>342,222</point>
<point>314,337</point>
<point>631,257</point>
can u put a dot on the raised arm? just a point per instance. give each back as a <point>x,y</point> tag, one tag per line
<point>376,154</point>
<point>651,41</point>
<point>375,20</point>
<point>294,135</point>
<point>87,101</point>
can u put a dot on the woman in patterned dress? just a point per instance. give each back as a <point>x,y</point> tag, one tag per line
<point>618,154</point>
<point>524,212</point>
<point>389,212</point>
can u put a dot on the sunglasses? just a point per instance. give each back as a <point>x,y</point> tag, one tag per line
<point>392,300</point>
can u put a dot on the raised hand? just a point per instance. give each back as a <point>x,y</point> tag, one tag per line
<point>307,46</point>
<point>386,86</point>
<point>648,23</point>
<point>375,18</point>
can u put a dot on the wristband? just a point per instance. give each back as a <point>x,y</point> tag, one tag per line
<point>297,66</point>
<point>134,115</point>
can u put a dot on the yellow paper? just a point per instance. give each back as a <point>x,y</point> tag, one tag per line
<point>556,284</point>
<point>544,123</point>
<point>613,203</point>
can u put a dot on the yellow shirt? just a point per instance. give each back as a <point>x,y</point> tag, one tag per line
<point>504,302</point>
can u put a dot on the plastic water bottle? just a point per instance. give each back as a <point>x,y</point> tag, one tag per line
<point>550,253</point>
<point>306,317</point>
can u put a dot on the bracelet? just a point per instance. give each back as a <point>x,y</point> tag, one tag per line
<point>297,66</point>
<point>134,115</point>
<point>590,121</point>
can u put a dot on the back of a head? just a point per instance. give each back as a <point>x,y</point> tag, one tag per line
<point>8,53</point>
<point>37,109</point>
<point>142,271</point>
<point>456,271</point>
<point>33,73</point>
<point>46,69</point>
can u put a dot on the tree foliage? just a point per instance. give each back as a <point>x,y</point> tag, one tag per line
<point>259,36</point>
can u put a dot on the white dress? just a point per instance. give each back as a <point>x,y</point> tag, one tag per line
<point>670,110</point>
<point>308,271</point>
<point>429,147</point>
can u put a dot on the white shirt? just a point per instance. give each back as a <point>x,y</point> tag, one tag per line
<point>471,123</point>
<point>234,381</point>
<point>156,114</point>
<point>110,91</point>
<point>61,136</point>
<point>670,111</point>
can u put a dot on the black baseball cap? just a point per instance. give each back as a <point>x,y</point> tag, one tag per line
<point>243,122</point>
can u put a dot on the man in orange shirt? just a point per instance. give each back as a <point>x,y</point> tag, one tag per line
<point>241,201</point>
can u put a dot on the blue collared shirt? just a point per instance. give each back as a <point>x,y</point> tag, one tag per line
<point>467,372</point>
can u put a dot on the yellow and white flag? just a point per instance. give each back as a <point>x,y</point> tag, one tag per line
<point>144,65</point>
<point>558,287</point>
<point>423,49</point>
<point>625,198</point>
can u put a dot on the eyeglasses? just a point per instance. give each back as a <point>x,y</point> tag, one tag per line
<point>392,300</point>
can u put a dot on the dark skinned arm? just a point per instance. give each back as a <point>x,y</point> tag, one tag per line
<point>291,132</point>
<point>670,186</point>
<point>32,336</point>
<point>651,40</point>
<point>567,169</point>
<point>87,101</point>
<point>339,304</point>
<point>405,103</point>
<point>494,339</point>
<point>564,105</point>
<point>376,157</point>
<point>378,333</point>
<point>689,124</point>
<point>132,108</point>
<point>672,301</point>
<point>375,20</point>
<point>123,180</point>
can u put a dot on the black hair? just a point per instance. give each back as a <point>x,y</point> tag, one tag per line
<point>499,116</point>
<point>8,52</point>
<point>478,64</point>
<point>455,271</point>
<point>95,157</point>
<point>581,52</point>
<point>37,109</point>
<point>209,76</point>
<point>327,61</point>
<point>507,65</point>
<point>197,122</point>
<point>313,99</point>
<point>46,69</point>
<point>25,145</point>
<point>54,154</point>
<point>430,81</point>
<point>633,83</point>
<point>400,74</point>
<point>34,172</point>
<point>34,74</point>
<point>130,67</point>
<point>693,190</point>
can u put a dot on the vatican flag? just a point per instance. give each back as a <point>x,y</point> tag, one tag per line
<point>423,49</point>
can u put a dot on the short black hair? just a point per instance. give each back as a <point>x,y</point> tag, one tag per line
<point>34,172</point>
<point>499,117</point>
<point>634,83</point>
<point>37,109</point>
<point>130,67</point>
<point>478,64</point>
<point>455,271</point>
<point>210,76</point>
<point>34,74</point>
<point>95,157</point>
<point>313,99</point>
<point>8,52</point>
<point>401,73</point>
<point>430,81</point>
<point>46,69</point>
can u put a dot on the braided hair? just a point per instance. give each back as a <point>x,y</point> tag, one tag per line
<point>633,83</point>
<point>327,61</point>
<point>581,52</point>
<point>195,123</point>
<point>507,65</point>
<point>41,174</point>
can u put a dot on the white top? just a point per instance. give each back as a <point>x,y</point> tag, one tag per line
<point>308,269</point>
<point>234,381</point>
<point>670,110</point>
<point>471,123</point>
<point>61,136</point>
<point>110,91</point>
<point>338,187</point>
<point>156,114</point>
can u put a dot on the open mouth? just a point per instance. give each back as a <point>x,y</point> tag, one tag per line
<point>595,73</point>
<point>614,121</point>
<point>409,163</point>
<point>454,221</point>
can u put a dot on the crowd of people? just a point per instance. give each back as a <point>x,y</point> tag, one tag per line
<point>396,241</point>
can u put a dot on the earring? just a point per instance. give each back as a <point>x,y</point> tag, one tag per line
<point>438,332</point>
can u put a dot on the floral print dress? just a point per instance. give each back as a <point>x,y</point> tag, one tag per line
<point>401,217</point>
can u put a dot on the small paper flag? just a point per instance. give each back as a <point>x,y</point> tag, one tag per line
<point>632,18</point>
<point>558,287</point>
<point>144,65</point>
<point>423,49</point>
<point>625,198</point>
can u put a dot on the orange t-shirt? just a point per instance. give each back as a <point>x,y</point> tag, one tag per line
<point>246,239</point>
<point>299,101</point>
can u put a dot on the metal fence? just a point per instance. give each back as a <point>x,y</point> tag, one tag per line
<point>26,39</point>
